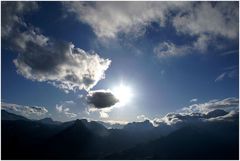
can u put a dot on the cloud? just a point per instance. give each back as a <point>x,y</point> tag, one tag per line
<point>142,117</point>
<point>59,108</point>
<point>231,116</point>
<point>108,19</point>
<point>230,52</point>
<point>70,102</point>
<point>12,13</point>
<point>169,49</point>
<point>65,110</point>
<point>101,98</point>
<point>213,110</point>
<point>61,64</point>
<point>28,111</point>
<point>227,103</point>
<point>70,114</point>
<point>230,72</point>
<point>201,20</point>
<point>103,114</point>
<point>44,59</point>
<point>218,19</point>
<point>204,22</point>
<point>194,100</point>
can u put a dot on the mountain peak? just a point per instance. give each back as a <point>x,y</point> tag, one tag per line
<point>5,115</point>
<point>216,113</point>
<point>139,125</point>
<point>49,120</point>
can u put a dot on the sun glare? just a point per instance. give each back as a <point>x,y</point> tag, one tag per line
<point>123,93</point>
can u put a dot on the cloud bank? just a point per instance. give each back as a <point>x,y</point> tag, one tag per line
<point>110,18</point>
<point>203,21</point>
<point>213,110</point>
<point>28,111</point>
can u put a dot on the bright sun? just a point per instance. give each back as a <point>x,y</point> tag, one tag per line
<point>123,93</point>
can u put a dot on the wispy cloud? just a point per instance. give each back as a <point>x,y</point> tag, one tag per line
<point>229,72</point>
<point>230,52</point>
<point>168,49</point>
<point>194,100</point>
<point>64,109</point>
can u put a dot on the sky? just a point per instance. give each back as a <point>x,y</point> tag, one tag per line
<point>117,61</point>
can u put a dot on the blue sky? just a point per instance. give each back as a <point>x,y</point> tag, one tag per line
<point>168,55</point>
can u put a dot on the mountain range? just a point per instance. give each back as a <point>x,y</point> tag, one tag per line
<point>23,138</point>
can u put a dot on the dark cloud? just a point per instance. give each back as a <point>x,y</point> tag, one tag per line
<point>42,58</point>
<point>101,99</point>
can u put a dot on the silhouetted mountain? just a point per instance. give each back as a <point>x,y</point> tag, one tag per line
<point>111,126</point>
<point>190,142</point>
<point>10,116</point>
<point>49,121</point>
<point>80,139</point>
<point>216,113</point>
<point>139,126</point>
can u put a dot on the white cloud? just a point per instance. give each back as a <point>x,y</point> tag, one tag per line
<point>193,18</point>
<point>108,19</point>
<point>213,110</point>
<point>71,102</point>
<point>11,16</point>
<point>226,104</point>
<point>202,43</point>
<point>230,52</point>
<point>194,100</point>
<point>203,21</point>
<point>44,59</point>
<point>62,65</point>
<point>65,110</point>
<point>103,114</point>
<point>220,77</point>
<point>142,117</point>
<point>229,72</point>
<point>70,114</point>
<point>168,49</point>
<point>59,108</point>
<point>219,19</point>
<point>28,111</point>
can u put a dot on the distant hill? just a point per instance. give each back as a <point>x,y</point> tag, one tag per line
<point>10,116</point>
<point>111,125</point>
<point>139,126</point>
<point>49,121</point>
<point>190,142</point>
